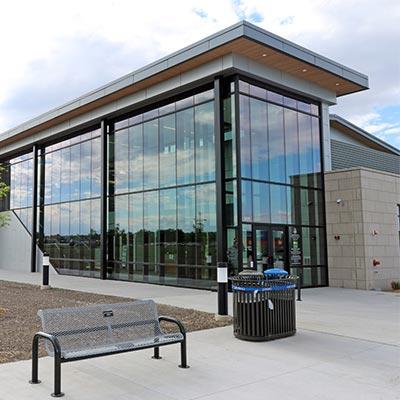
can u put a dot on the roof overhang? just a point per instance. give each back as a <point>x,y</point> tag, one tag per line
<point>357,133</point>
<point>242,38</point>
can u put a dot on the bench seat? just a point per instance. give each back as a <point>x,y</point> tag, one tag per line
<point>77,333</point>
<point>122,346</point>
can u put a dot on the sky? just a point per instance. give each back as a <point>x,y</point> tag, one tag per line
<point>54,51</point>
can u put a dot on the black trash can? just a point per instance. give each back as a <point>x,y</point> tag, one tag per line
<point>263,308</point>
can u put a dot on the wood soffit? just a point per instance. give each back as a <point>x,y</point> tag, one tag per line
<point>243,46</point>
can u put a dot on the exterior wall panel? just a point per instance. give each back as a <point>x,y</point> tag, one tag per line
<point>348,155</point>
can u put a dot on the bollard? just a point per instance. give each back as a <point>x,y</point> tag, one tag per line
<point>222,279</point>
<point>298,288</point>
<point>45,265</point>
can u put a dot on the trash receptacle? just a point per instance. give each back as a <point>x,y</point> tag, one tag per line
<point>264,308</point>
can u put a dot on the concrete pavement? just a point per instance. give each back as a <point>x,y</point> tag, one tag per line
<point>347,347</point>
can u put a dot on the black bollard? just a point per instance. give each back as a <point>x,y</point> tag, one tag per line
<point>222,278</point>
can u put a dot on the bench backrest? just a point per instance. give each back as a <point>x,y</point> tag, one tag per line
<point>101,325</point>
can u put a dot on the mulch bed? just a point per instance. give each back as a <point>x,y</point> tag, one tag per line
<point>19,304</point>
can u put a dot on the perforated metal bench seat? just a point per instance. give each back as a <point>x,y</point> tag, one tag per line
<point>122,346</point>
<point>102,329</point>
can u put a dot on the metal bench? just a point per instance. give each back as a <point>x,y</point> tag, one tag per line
<point>79,333</point>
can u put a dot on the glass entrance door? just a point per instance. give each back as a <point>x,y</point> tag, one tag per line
<point>270,247</point>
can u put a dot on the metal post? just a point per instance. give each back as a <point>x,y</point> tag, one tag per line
<point>298,288</point>
<point>46,263</point>
<point>34,208</point>
<point>222,278</point>
<point>103,201</point>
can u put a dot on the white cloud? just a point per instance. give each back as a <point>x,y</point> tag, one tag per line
<point>55,51</point>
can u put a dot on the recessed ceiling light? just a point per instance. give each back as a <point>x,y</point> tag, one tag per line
<point>304,70</point>
<point>337,84</point>
<point>264,55</point>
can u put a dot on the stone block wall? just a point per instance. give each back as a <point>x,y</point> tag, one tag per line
<point>362,219</point>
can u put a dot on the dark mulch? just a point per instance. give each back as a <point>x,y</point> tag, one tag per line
<point>19,304</point>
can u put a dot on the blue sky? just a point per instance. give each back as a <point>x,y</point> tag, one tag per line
<point>56,51</point>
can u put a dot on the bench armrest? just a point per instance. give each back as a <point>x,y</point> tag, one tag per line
<point>174,321</point>
<point>52,339</point>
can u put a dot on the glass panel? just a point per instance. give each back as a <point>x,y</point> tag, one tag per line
<point>289,102</point>
<point>231,203</point>
<point>233,250</point>
<point>84,231</point>
<point>291,147</point>
<point>245,144</point>
<point>278,204</point>
<point>276,144</point>
<point>121,233</point>
<point>75,172</point>
<point>258,92</point>
<point>205,224</point>
<point>184,103</point>
<point>168,233</point>
<point>205,148</point>
<point>64,230</point>
<point>305,148</point>
<point>204,96</point>
<point>261,207</point>
<point>86,155</point>
<point>96,167</point>
<point>95,232</point>
<point>55,230</point>
<point>316,149</point>
<point>65,174</point>
<point>278,248</point>
<point>293,201</point>
<point>229,137</point>
<point>151,226</point>
<point>247,239</point>
<point>244,87</point>
<point>136,226</point>
<point>47,185</point>
<point>74,229</point>
<point>136,157</point>
<point>150,133</point>
<point>247,213</point>
<point>302,106</point>
<point>275,97</point>
<point>121,157</point>
<point>259,139</point>
<point>167,109</point>
<point>262,249</point>
<point>167,151</point>
<point>186,226</point>
<point>185,146</point>
<point>307,277</point>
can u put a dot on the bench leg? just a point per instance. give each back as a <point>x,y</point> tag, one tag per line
<point>183,355</point>
<point>57,377</point>
<point>35,360</point>
<point>157,353</point>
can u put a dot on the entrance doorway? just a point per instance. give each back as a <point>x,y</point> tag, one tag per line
<point>270,247</point>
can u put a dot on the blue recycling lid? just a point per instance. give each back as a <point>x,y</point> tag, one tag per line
<point>275,273</point>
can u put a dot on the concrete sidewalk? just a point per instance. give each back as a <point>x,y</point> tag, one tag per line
<point>310,365</point>
<point>347,347</point>
<point>368,315</point>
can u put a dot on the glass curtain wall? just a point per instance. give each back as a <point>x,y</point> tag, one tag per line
<point>17,175</point>
<point>71,228</point>
<point>281,182</point>
<point>162,197</point>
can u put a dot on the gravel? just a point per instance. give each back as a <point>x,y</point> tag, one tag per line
<point>19,304</point>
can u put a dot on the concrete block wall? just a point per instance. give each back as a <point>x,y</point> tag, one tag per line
<point>15,246</point>
<point>362,226</point>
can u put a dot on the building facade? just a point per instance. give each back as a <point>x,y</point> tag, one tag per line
<point>213,154</point>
